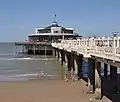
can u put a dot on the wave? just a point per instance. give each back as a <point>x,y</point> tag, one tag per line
<point>33,75</point>
<point>25,77</point>
<point>7,78</point>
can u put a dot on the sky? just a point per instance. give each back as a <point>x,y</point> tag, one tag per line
<point>19,18</point>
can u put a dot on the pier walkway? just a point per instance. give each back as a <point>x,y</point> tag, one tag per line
<point>96,50</point>
<point>108,48</point>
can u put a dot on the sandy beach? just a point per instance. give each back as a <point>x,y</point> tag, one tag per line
<point>43,91</point>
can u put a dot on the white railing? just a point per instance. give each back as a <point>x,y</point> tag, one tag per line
<point>90,46</point>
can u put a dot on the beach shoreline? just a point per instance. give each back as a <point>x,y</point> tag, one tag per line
<point>41,91</point>
<point>44,91</point>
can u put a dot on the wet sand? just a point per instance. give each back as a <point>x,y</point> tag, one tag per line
<point>43,91</point>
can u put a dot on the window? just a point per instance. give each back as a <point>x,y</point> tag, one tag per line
<point>115,43</point>
<point>55,31</point>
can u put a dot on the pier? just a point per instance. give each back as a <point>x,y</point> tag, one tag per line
<point>71,49</point>
<point>40,41</point>
<point>35,48</point>
<point>96,50</point>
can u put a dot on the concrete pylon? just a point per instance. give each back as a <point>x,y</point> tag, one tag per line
<point>57,54</point>
<point>105,70</point>
<point>65,64</point>
<point>53,51</point>
<point>113,78</point>
<point>34,49</point>
<point>68,65</point>
<point>91,75</point>
<point>60,56</point>
<point>98,94</point>
<point>79,62</point>
<point>74,68</point>
<point>66,60</point>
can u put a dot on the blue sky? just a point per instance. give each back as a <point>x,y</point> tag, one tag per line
<point>18,18</point>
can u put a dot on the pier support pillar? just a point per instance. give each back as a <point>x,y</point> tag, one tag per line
<point>69,65</point>
<point>65,60</point>
<point>73,65</point>
<point>23,49</point>
<point>105,70</point>
<point>113,78</point>
<point>65,63</point>
<point>77,68</point>
<point>98,80</point>
<point>54,51</point>
<point>91,75</point>
<point>57,53</point>
<point>69,61</point>
<point>26,47</point>
<point>45,51</point>
<point>34,49</point>
<point>60,56</point>
<point>79,62</point>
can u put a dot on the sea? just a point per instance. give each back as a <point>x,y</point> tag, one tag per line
<point>16,66</point>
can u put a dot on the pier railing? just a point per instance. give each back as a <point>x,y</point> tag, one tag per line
<point>101,47</point>
<point>33,43</point>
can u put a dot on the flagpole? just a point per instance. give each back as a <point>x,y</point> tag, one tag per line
<point>54,17</point>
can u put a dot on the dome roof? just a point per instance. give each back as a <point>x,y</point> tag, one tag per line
<point>54,24</point>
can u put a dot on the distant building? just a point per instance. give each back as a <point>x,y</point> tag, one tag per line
<point>52,32</point>
<point>40,41</point>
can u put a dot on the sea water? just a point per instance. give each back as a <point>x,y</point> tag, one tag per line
<point>20,67</point>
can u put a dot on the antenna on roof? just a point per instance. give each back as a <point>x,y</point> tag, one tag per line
<point>54,17</point>
<point>55,21</point>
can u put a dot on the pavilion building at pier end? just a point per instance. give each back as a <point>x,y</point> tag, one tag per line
<point>40,41</point>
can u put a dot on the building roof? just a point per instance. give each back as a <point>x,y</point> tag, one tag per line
<point>54,24</point>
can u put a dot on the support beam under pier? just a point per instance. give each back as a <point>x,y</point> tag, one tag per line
<point>105,70</point>
<point>91,75</point>
<point>57,53</point>
<point>77,66</point>
<point>98,94</point>
<point>62,57</point>
<point>68,66</point>
<point>113,78</point>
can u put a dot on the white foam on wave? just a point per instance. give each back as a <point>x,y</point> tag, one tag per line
<point>27,58</point>
<point>33,75</point>
<point>24,75</point>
